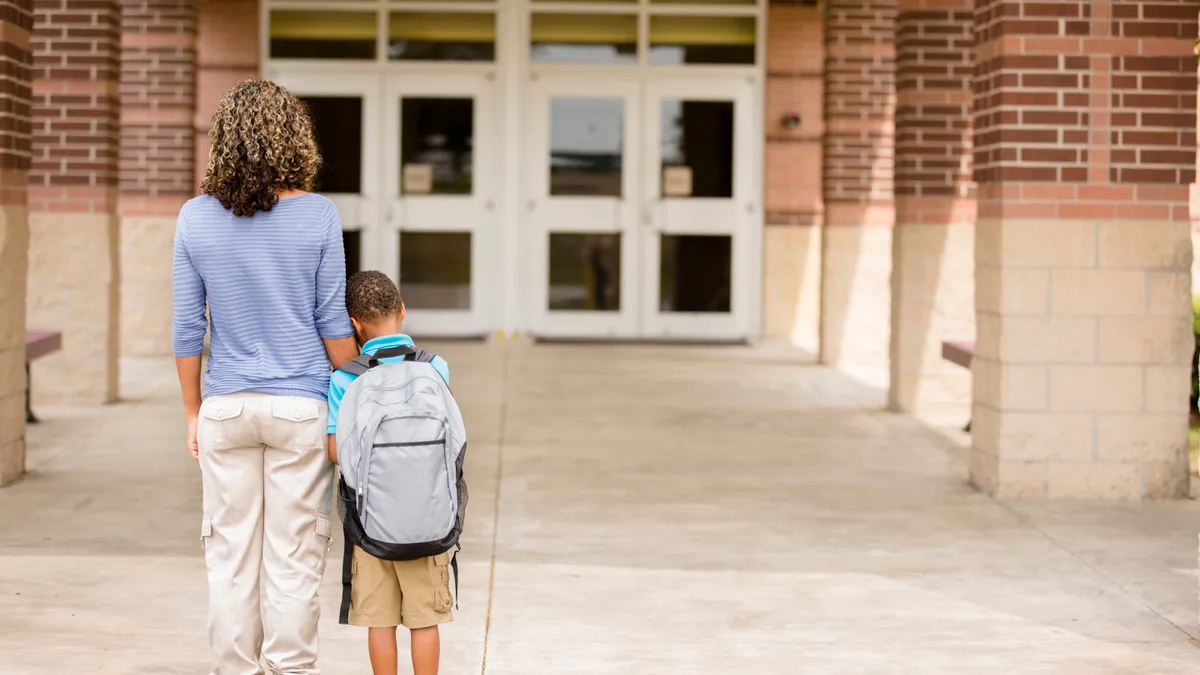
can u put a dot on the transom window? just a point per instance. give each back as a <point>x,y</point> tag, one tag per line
<point>657,33</point>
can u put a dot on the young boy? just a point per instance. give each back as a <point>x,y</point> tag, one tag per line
<point>385,594</point>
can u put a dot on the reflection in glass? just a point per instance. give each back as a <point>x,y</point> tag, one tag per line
<point>304,34</point>
<point>583,38</point>
<point>585,272</point>
<point>337,121</point>
<point>441,36</point>
<point>683,40</point>
<point>352,243</point>
<point>438,132</point>
<point>695,273</point>
<point>435,270</point>
<point>699,135</point>
<point>586,141</point>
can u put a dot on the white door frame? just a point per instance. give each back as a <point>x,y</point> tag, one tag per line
<point>475,213</point>
<point>356,212</point>
<point>580,214</point>
<point>733,216</point>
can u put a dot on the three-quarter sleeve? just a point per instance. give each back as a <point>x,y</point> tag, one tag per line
<point>188,322</point>
<point>330,314</point>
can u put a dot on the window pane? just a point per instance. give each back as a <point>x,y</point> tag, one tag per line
<point>586,143</point>
<point>445,36</point>
<point>436,136</point>
<point>682,40</point>
<point>584,38</point>
<point>352,243</point>
<point>697,138</point>
<point>338,124</point>
<point>585,272</point>
<point>302,34</point>
<point>435,270</point>
<point>694,273</point>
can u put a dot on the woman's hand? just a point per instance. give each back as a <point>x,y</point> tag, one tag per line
<point>193,422</point>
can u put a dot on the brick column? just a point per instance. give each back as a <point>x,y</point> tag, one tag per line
<point>1085,123</point>
<point>16,22</point>
<point>933,263</point>
<point>859,212</point>
<point>792,240</point>
<point>227,54</point>
<point>158,104</point>
<point>73,253</point>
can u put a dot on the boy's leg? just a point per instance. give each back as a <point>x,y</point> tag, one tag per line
<point>381,644</point>
<point>298,482</point>
<point>426,651</point>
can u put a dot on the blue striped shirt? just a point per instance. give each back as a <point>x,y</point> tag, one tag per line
<point>274,285</point>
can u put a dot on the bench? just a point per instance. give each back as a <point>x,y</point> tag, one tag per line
<point>960,353</point>
<point>38,343</point>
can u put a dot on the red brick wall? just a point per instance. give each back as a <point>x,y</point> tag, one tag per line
<point>795,81</point>
<point>860,99</point>
<point>158,101</point>
<point>76,66</point>
<point>1085,109</point>
<point>227,54</point>
<point>934,66</point>
<point>16,62</point>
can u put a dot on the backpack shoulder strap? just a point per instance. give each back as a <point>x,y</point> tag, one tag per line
<point>357,366</point>
<point>420,356</point>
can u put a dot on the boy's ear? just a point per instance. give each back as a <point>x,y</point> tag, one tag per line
<point>357,327</point>
<point>403,312</point>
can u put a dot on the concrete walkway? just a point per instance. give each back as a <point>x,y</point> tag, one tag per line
<point>634,510</point>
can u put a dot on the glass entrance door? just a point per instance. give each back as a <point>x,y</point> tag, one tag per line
<point>440,141</point>
<point>699,180</point>
<point>345,114</point>
<point>641,208</point>
<point>582,208</point>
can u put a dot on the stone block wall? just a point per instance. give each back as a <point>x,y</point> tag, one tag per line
<point>792,176</point>
<point>860,99</point>
<point>73,254</point>
<point>16,60</point>
<point>158,106</point>
<point>1084,151</point>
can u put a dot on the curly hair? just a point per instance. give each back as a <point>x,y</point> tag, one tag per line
<point>371,296</point>
<point>262,142</point>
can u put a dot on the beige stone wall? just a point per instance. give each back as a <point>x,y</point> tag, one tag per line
<point>146,245</point>
<point>933,300</point>
<point>74,288</point>
<point>14,247</point>
<point>792,285</point>
<point>856,296</point>
<point>1082,362</point>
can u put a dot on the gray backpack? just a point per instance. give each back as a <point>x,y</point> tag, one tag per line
<point>401,443</point>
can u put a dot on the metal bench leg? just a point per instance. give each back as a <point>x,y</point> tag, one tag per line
<point>29,418</point>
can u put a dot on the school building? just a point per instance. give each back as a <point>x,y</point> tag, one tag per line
<point>862,179</point>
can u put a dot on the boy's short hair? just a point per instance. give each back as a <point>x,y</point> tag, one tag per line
<point>371,296</point>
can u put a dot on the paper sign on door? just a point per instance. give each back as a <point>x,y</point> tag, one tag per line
<point>677,181</point>
<point>418,179</point>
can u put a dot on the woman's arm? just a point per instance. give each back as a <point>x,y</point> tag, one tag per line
<point>188,325</point>
<point>340,350</point>
<point>333,323</point>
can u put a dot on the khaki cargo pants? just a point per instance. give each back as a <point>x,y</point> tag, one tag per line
<point>268,487</point>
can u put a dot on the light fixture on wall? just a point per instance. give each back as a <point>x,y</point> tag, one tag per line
<point>790,121</point>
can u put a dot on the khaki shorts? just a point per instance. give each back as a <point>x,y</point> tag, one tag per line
<point>410,593</point>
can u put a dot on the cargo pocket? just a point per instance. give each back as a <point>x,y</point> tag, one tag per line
<point>219,424</point>
<point>324,540</point>
<point>441,597</point>
<point>205,542</point>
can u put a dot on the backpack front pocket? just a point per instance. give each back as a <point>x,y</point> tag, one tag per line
<point>408,497</point>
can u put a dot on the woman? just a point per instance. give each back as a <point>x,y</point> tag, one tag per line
<point>264,255</point>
